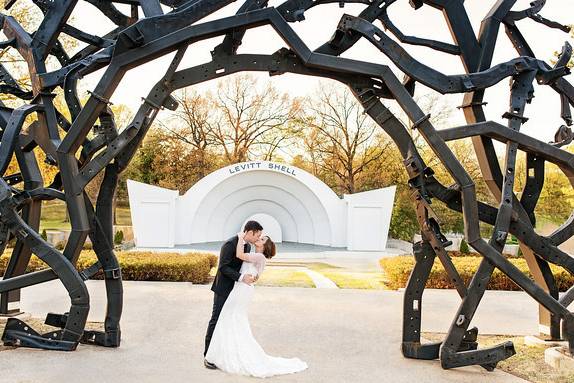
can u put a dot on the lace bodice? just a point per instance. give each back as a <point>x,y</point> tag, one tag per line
<point>254,265</point>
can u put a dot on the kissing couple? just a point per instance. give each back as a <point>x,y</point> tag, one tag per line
<point>229,343</point>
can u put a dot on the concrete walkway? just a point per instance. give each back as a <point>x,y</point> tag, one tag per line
<point>320,281</point>
<point>344,335</point>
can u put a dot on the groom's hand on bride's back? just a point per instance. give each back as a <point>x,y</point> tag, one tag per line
<point>248,278</point>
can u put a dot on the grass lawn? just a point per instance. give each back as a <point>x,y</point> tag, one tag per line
<point>528,363</point>
<point>285,278</point>
<point>356,280</point>
<point>54,216</point>
<point>280,277</point>
<point>345,279</point>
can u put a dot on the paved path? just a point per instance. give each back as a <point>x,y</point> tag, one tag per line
<point>320,281</point>
<point>344,335</point>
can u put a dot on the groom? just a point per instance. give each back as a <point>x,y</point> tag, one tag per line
<point>227,274</point>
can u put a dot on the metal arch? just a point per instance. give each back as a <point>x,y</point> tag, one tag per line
<point>148,33</point>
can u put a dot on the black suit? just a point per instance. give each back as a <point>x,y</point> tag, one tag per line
<point>227,275</point>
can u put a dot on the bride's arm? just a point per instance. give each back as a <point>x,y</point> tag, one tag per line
<point>260,265</point>
<point>239,252</point>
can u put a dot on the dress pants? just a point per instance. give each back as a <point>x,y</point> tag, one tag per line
<point>218,301</point>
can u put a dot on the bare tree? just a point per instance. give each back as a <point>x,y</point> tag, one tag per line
<point>345,139</point>
<point>310,144</point>
<point>250,121</point>
<point>192,125</point>
<point>279,140</point>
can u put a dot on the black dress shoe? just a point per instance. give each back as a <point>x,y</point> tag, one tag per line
<point>209,365</point>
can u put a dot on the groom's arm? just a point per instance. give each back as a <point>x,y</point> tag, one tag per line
<point>226,257</point>
<point>246,250</point>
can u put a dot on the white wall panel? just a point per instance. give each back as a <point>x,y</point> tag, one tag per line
<point>297,206</point>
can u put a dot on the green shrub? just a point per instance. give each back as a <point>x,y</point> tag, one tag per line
<point>142,266</point>
<point>44,235</point>
<point>397,271</point>
<point>60,245</point>
<point>213,259</point>
<point>118,237</point>
<point>464,247</point>
<point>404,222</point>
<point>472,253</point>
<point>149,266</point>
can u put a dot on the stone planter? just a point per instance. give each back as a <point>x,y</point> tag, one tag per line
<point>558,359</point>
<point>511,249</point>
<point>55,236</point>
<point>457,239</point>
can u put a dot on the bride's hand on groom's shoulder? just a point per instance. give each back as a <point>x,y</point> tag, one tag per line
<point>241,236</point>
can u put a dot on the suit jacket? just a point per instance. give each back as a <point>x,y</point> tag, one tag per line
<point>228,267</point>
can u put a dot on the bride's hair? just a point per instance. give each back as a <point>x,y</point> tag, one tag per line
<point>269,248</point>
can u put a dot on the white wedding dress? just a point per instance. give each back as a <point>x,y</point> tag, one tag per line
<point>233,348</point>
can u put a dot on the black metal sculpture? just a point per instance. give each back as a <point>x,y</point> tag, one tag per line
<point>136,41</point>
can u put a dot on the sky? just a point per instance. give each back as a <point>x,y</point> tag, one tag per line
<point>321,21</point>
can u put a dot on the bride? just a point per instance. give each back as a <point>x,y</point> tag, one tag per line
<point>233,348</point>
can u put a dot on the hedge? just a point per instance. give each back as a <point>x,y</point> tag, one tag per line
<point>458,253</point>
<point>143,266</point>
<point>397,271</point>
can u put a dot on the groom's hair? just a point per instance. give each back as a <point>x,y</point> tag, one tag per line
<point>252,226</point>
